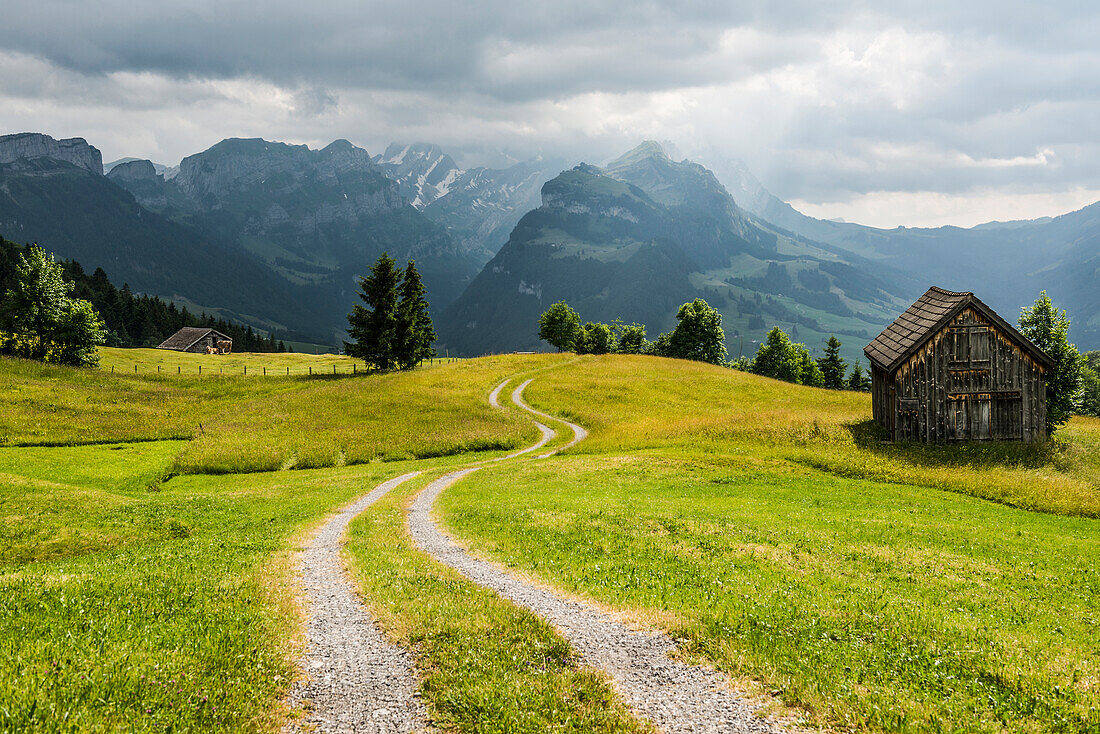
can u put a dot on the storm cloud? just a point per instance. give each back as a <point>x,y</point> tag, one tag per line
<point>914,113</point>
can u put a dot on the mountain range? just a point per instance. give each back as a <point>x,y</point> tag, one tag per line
<point>479,206</point>
<point>644,234</point>
<point>274,235</point>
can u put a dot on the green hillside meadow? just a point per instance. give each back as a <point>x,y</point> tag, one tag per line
<point>148,522</point>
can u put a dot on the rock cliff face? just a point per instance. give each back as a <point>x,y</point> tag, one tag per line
<point>478,206</point>
<point>141,179</point>
<point>25,146</point>
<point>318,217</point>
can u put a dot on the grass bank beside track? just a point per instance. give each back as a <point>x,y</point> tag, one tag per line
<point>133,598</point>
<point>751,519</point>
<point>486,665</point>
<point>123,609</point>
<point>236,424</point>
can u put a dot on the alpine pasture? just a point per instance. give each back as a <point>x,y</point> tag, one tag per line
<point>150,520</point>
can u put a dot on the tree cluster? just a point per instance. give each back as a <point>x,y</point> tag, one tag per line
<point>39,318</point>
<point>698,334</point>
<point>131,320</point>
<point>780,358</point>
<point>394,328</point>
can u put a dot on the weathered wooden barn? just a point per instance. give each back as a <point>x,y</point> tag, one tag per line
<point>951,369</point>
<point>198,340</point>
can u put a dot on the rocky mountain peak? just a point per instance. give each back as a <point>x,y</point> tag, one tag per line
<point>37,145</point>
<point>139,170</point>
<point>423,171</point>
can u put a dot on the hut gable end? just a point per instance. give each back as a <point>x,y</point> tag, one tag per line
<point>197,339</point>
<point>951,369</point>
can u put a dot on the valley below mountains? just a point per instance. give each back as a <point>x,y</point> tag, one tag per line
<point>275,236</point>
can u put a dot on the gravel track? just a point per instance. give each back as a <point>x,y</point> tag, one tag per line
<point>579,434</point>
<point>358,682</point>
<point>675,696</point>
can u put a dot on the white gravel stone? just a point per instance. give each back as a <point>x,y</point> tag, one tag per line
<point>358,682</point>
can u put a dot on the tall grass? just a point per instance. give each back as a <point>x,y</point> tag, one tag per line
<point>632,403</point>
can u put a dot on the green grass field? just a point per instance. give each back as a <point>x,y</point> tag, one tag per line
<point>750,518</point>
<point>255,364</point>
<point>147,521</point>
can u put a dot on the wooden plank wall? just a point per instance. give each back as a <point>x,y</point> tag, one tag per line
<point>968,382</point>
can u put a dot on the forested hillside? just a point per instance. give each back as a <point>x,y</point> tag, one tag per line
<point>133,320</point>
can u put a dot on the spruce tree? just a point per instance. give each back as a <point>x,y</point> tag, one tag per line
<point>373,329</point>
<point>415,333</point>
<point>858,380</point>
<point>832,366</point>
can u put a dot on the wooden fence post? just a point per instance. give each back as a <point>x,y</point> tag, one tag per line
<point>265,371</point>
<point>200,370</point>
<point>353,366</point>
<point>288,372</point>
<point>334,369</point>
<point>246,369</point>
<point>179,369</point>
<point>311,370</point>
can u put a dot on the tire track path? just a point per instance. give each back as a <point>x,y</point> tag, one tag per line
<point>358,681</point>
<point>674,696</point>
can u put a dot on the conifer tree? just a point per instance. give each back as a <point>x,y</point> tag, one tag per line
<point>415,333</point>
<point>373,329</point>
<point>858,380</point>
<point>832,366</point>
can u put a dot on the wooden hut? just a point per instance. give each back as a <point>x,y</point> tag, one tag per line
<point>951,369</point>
<point>198,340</point>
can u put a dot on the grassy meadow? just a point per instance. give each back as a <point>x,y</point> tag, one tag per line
<point>147,523</point>
<point>168,362</point>
<point>865,586</point>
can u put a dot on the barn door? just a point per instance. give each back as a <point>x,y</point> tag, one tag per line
<point>980,428</point>
<point>958,418</point>
<point>970,417</point>
<point>1008,417</point>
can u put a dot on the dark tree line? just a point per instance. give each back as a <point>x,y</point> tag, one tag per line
<point>134,320</point>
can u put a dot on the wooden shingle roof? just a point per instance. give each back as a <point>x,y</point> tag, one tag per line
<point>928,315</point>
<point>188,335</point>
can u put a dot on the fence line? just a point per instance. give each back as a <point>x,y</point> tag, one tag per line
<point>355,368</point>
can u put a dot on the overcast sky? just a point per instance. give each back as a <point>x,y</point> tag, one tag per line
<point>923,113</point>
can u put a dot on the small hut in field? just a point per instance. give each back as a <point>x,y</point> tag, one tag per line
<point>198,340</point>
<point>951,369</point>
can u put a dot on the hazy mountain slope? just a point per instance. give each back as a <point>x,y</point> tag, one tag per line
<point>1006,263</point>
<point>641,238</point>
<point>484,205</point>
<point>78,214</point>
<point>317,217</point>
